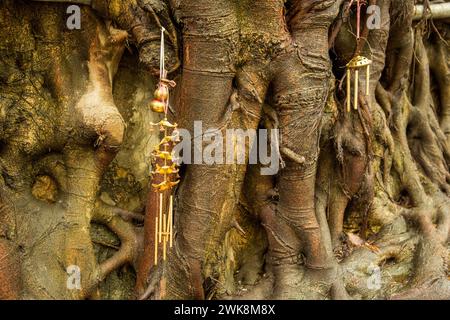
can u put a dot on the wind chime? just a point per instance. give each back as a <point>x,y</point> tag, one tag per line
<point>357,63</point>
<point>165,172</point>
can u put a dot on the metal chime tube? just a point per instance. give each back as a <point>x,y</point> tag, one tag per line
<point>171,221</point>
<point>356,89</point>
<point>164,238</point>
<point>156,241</point>
<point>160,216</point>
<point>349,93</point>
<point>368,80</point>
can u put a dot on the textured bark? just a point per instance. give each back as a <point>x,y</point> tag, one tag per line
<point>357,192</point>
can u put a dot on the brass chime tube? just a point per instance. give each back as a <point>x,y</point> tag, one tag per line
<point>156,241</point>
<point>164,226</point>
<point>368,80</point>
<point>356,89</point>
<point>160,216</point>
<point>171,221</point>
<point>164,238</point>
<point>349,93</point>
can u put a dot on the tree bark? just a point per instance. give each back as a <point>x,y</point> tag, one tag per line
<point>359,209</point>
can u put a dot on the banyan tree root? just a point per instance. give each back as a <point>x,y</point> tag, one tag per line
<point>143,20</point>
<point>10,278</point>
<point>83,138</point>
<point>299,78</point>
<point>130,238</point>
<point>387,168</point>
<point>9,272</point>
<point>382,171</point>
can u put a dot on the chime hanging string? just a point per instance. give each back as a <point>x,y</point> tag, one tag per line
<point>162,70</point>
<point>358,17</point>
<point>358,20</point>
<point>161,56</point>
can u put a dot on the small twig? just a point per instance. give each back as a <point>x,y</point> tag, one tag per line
<point>236,225</point>
<point>292,155</point>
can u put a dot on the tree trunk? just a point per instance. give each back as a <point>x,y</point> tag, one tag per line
<point>358,210</point>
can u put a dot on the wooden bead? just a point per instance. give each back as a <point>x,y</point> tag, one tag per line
<point>161,94</point>
<point>157,106</point>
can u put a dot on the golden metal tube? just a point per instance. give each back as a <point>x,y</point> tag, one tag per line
<point>160,215</point>
<point>368,81</point>
<point>164,227</point>
<point>349,74</point>
<point>171,221</point>
<point>164,249</point>
<point>156,241</point>
<point>356,89</point>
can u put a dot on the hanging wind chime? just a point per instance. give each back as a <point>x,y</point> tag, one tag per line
<point>357,63</point>
<point>165,172</point>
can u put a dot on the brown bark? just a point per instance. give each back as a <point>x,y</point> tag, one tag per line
<point>358,191</point>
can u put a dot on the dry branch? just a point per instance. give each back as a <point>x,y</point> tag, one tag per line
<point>438,11</point>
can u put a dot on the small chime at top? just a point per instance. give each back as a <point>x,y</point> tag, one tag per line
<point>357,65</point>
<point>165,172</point>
